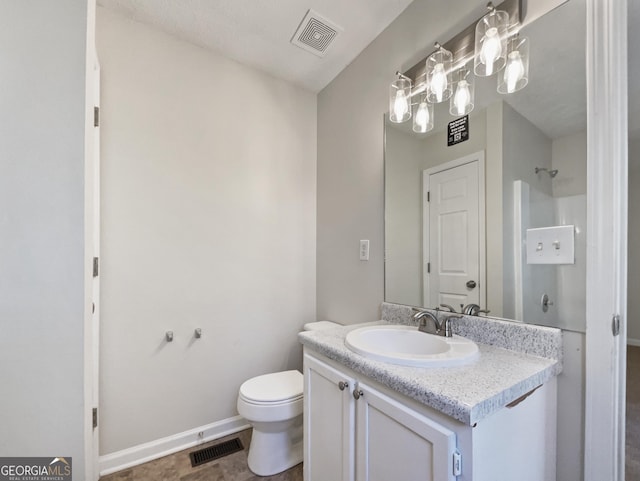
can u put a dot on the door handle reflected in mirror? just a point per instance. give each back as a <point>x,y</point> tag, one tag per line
<point>471,284</point>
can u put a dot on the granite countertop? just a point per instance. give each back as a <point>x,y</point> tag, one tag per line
<point>512,362</point>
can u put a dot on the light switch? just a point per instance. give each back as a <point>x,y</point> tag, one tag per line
<point>551,245</point>
<point>364,250</point>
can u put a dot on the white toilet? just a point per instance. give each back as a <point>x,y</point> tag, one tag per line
<point>272,404</point>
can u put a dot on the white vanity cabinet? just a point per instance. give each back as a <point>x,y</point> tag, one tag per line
<point>380,435</point>
<point>396,443</point>
<point>393,441</point>
<point>329,423</point>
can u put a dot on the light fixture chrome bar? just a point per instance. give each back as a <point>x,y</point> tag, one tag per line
<point>401,75</point>
<point>462,45</point>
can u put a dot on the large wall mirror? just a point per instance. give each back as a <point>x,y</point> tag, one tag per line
<point>481,222</point>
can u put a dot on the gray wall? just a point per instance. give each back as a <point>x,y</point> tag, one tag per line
<point>350,159</point>
<point>350,186</point>
<point>42,238</point>
<point>404,154</point>
<point>570,158</point>
<point>208,203</point>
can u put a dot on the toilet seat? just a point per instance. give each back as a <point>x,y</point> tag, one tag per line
<point>273,389</point>
<point>270,403</point>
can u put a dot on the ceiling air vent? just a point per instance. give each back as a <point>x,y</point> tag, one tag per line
<point>315,34</point>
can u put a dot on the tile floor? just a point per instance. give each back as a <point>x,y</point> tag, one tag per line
<point>177,467</point>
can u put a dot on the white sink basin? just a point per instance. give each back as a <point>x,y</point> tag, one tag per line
<point>406,346</point>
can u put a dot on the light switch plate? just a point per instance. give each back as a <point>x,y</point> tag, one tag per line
<point>551,245</point>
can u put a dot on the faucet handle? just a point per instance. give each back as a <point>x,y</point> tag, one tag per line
<point>471,309</point>
<point>448,307</point>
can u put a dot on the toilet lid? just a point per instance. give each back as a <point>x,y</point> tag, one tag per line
<point>275,387</point>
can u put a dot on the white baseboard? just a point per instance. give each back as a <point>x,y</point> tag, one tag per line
<point>143,453</point>
<point>633,342</point>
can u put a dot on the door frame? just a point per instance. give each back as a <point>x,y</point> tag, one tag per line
<point>607,210</point>
<point>91,248</point>
<point>96,277</point>
<point>482,260</point>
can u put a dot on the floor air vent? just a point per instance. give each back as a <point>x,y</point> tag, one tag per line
<point>205,455</point>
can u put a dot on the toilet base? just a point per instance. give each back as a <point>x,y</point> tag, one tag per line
<point>272,451</point>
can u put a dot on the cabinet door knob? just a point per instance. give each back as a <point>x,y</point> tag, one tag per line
<point>357,393</point>
<point>343,385</point>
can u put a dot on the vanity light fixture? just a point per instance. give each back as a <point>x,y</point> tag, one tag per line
<point>491,42</point>
<point>400,99</point>
<point>491,45</point>
<point>462,101</point>
<point>423,118</point>
<point>516,72</point>
<point>439,75</point>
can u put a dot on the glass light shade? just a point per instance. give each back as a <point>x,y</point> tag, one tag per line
<point>516,72</point>
<point>463,95</point>
<point>439,76</point>
<point>491,43</point>
<point>423,118</point>
<point>400,101</point>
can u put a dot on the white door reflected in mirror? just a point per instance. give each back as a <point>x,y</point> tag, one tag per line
<point>453,213</point>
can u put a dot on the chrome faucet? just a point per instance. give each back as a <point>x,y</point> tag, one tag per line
<point>447,307</point>
<point>437,327</point>
<point>421,316</point>
<point>473,310</point>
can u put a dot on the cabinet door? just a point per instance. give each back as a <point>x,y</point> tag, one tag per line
<point>395,443</point>
<point>329,418</point>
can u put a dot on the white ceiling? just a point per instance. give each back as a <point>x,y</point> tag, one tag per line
<point>258,32</point>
